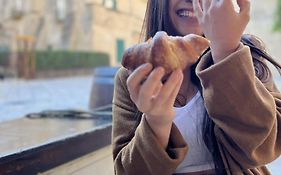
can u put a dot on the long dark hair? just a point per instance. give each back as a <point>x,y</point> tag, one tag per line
<point>157,19</point>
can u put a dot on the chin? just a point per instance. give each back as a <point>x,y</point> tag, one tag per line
<point>191,31</point>
<point>195,32</point>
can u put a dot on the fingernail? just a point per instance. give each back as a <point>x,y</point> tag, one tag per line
<point>179,72</point>
<point>161,70</point>
<point>148,65</point>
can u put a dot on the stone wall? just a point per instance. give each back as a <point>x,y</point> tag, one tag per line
<point>119,26</point>
<point>89,25</point>
<point>71,24</point>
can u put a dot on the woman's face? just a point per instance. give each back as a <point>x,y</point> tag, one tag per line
<point>183,18</point>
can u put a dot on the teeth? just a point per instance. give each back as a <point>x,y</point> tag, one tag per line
<point>186,13</point>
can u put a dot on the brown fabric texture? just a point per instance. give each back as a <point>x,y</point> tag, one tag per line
<point>246,113</point>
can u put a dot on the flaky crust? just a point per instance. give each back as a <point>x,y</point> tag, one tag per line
<point>166,51</point>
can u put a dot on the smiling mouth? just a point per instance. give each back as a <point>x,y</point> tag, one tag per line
<point>185,13</point>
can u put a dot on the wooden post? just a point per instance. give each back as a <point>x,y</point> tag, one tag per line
<point>28,67</point>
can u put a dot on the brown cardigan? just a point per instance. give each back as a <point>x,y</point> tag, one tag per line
<point>245,111</point>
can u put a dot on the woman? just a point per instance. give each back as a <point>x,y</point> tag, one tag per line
<point>220,116</point>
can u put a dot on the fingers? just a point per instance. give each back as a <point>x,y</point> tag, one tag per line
<point>176,90</point>
<point>169,88</point>
<point>244,6</point>
<point>153,94</point>
<point>197,8</point>
<point>157,90</point>
<point>151,84</point>
<point>135,79</point>
<point>206,5</point>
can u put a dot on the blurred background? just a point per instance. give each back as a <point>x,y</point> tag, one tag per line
<point>49,49</point>
<point>53,51</point>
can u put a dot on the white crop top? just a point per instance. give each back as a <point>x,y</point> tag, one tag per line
<point>189,120</point>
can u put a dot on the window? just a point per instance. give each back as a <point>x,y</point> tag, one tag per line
<point>18,9</point>
<point>120,44</point>
<point>110,4</point>
<point>61,10</point>
<point>19,5</point>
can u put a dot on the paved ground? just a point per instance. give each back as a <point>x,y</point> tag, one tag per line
<point>19,97</point>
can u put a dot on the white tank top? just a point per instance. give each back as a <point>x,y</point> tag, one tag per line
<point>189,120</point>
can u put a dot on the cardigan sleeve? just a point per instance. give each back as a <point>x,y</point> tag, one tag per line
<point>245,111</point>
<point>135,147</point>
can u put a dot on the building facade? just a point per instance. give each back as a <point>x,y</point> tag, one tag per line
<point>100,25</point>
<point>91,25</point>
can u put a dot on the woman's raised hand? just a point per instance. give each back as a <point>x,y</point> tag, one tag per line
<point>155,99</point>
<point>222,24</point>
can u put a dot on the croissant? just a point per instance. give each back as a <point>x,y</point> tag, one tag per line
<point>167,51</point>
